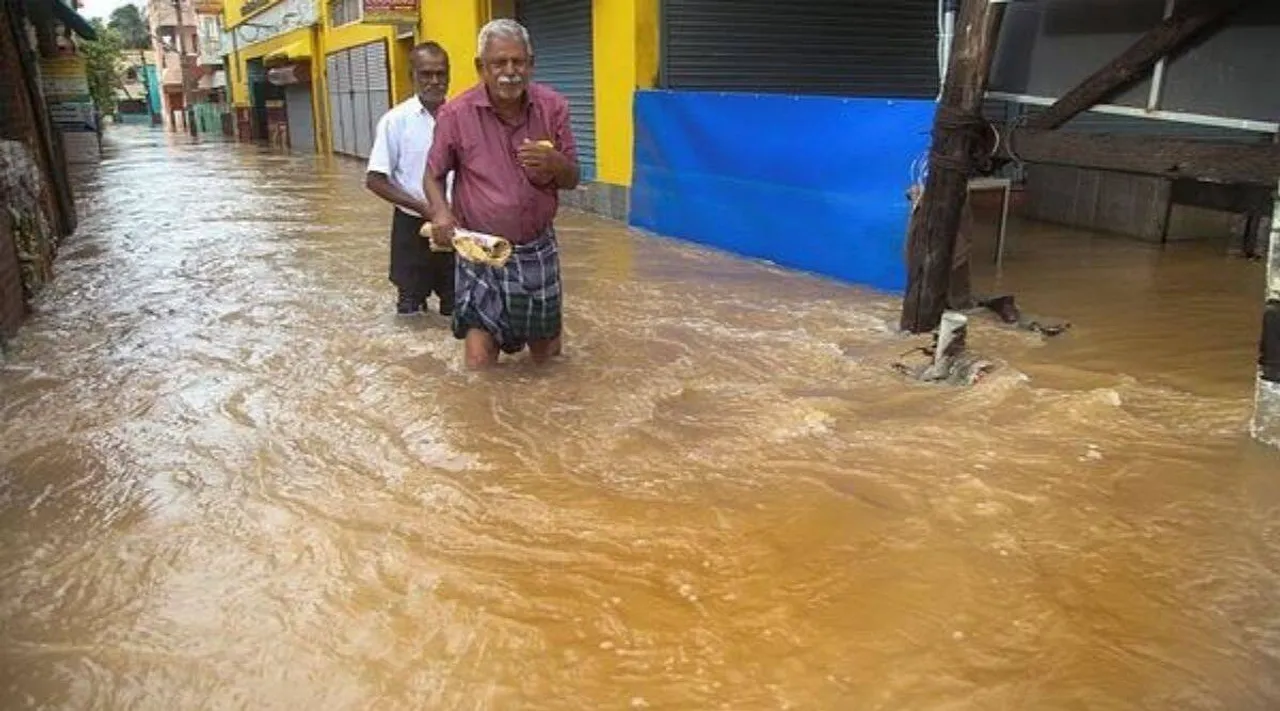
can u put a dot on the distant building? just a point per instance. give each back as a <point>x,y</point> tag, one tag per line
<point>175,40</point>
<point>137,102</point>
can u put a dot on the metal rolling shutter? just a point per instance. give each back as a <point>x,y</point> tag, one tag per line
<point>359,102</point>
<point>378,93</point>
<point>834,47</point>
<point>339,88</point>
<point>359,94</point>
<point>561,34</point>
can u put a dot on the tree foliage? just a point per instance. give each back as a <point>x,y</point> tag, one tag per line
<point>128,21</point>
<point>102,64</point>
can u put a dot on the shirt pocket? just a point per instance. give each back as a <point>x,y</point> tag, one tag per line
<point>414,155</point>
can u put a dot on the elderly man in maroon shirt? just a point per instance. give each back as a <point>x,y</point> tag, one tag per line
<point>509,144</point>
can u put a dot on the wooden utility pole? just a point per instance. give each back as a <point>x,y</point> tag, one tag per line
<point>957,130</point>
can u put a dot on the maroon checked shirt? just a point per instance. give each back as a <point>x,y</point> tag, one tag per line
<point>492,192</point>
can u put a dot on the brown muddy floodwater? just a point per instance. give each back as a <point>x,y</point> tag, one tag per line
<point>232,480</point>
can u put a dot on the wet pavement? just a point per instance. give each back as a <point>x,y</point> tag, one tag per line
<point>231,478</point>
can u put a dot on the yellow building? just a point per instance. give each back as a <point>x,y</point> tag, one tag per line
<point>317,74</point>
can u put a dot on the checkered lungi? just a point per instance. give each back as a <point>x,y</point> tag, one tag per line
<point>516,303</point>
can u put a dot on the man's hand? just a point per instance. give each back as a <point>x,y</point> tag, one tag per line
<point>442,227</point>
<point>541,156</point>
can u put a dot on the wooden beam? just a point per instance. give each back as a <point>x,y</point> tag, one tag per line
<point>1163,156</point>
<point>957,128</point>
<point>1188,20</point>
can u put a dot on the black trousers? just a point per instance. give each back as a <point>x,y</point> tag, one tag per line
<point>417,270</point>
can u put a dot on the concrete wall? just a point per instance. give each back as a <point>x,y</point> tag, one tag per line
<point>13,307</point>
<point>1048,46</point>
<point>1118,203</point>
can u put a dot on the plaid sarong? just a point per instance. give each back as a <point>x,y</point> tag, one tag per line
<point>516,303</point>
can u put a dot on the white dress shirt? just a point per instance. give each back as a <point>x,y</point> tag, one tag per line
<point>400,148</point>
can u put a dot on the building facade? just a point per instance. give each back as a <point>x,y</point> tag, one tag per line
<point>44,114</point>
<point>174,38</point>
<point>211,112</point>
<point>316,75</point>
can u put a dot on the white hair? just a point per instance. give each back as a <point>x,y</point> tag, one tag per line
<point>503,28</point>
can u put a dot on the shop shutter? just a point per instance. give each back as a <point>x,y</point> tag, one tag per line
<point>562,41</point>
<point>359,94</point>
<point>828,47</point>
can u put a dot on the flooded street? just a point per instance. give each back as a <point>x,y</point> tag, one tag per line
<point>231,478</point>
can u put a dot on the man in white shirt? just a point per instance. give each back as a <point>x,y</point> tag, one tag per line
<point>396,166</point>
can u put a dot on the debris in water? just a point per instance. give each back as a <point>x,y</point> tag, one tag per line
<point>950,362</point>
<point>1007,310</point>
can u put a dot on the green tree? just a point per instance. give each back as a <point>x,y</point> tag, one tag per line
<point>127,21</point>
<point>102,61</point>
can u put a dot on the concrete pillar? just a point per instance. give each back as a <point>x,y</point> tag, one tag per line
<point>625,58</point>
<point>1266,421</point>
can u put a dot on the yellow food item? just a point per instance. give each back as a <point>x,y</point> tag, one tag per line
<point>473,246</point>
<point>548,144</point>
<point>494,254</point>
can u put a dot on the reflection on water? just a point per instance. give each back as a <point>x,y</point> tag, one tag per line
<point>231,479</point>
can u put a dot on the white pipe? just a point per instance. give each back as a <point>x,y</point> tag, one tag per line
<point>1265,426</point>
<point>948,36</point>
<point>944,46</point>
<point>1273,251</point>
<point>1157,75</point>
<point>952,332</point>
<point>1268,127</point>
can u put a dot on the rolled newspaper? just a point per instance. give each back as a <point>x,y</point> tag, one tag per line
<point>473,246</point>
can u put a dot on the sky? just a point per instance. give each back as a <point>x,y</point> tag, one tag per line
<point>102,8</point>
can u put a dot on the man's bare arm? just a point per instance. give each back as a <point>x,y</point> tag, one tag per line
<point>567,174</point>
<point>380,185</point>
<point>442,221</point>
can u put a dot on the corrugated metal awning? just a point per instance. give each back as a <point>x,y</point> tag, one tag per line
<point>69,17</point>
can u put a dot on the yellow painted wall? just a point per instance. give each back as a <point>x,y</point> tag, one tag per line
<point>239,84</point>
<point>231,14</point>
<point>455,24</point>
<point>625,57</point>
<point>319,89</point>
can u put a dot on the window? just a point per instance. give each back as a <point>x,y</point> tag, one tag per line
<point>344,12</point>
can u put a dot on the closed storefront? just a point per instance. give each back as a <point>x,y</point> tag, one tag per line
<point>294,82</point>
<point>359,94</point>
<point>882,48</point>
<point>297,101</point>
<point>562,41</point>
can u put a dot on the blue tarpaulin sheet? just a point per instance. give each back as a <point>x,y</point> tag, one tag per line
<point>810,183</point>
